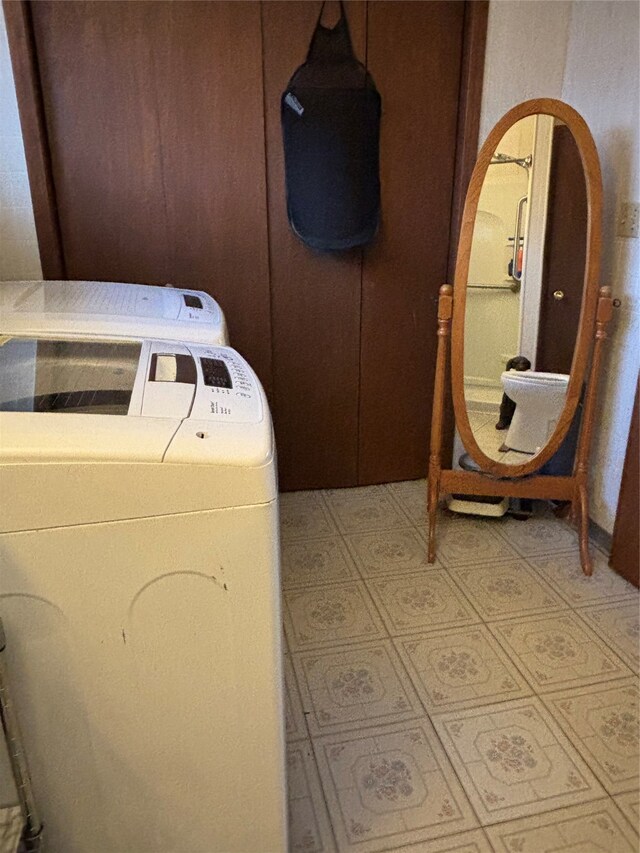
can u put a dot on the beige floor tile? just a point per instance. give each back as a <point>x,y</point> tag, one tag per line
<point>591,828</point>
<point>479,419</point>
<point>359,510</point>
<point>421,601</point>
<point>390,786</point>
<point>537,535</point>
<point>329,615</point>
<point>629,804</point>
<point>412,497</point>
<point>348,688</point>
<point>460,668</point>
<point>564,572</point>
<point>474,841</point>
<point>295,726</point>
<point>514,761</point>
<point>304,515</point>
<point>602,723</point>
<point>309,827</point>
<point>464,541</point>
<point>389,552</point>
<point>316,561</point>
<point>619,625</point>
<point>499,590</point>
<point>558,652</point>
<point>490,439</point>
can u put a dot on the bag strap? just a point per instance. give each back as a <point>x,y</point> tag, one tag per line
<point>331,44</point>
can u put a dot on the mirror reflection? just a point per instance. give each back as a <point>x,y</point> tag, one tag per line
<point>524,290</point>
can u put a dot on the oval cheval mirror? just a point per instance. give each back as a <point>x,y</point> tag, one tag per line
<point>528,317</point>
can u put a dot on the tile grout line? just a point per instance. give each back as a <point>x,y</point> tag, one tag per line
<point>612,797</point>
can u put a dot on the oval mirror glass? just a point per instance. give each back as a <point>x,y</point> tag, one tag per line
<point>524,289</point>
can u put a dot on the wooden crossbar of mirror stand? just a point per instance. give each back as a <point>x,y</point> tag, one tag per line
<point>574,488</point>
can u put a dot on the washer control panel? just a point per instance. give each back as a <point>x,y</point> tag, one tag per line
<point>197,307</point>
<point>228,389</point>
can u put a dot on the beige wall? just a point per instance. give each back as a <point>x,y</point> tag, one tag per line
<point>526,53</point>
<point>601,81</point>
<point>586,53</point>
<point>19,257</point>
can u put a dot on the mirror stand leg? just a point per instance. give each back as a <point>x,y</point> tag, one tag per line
<point>583,532</point>
<point>445,308</point>
<point>581,471</point>
<point>433,489</point>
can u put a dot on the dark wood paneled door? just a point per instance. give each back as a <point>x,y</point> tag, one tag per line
<point>162,123</point>
<point>154,123</point>
<point>315,298</point>
<point>414,51</point>
<point>625,549</point>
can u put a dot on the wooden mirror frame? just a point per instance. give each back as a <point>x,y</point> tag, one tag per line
<point>593,180</point>
<point>522,481</point>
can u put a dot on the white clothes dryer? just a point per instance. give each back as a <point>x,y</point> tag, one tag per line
<point>140,594</point>
<point>110,310</point>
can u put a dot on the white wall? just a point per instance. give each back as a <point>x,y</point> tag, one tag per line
<point>525,58</point>
<point>601,82</point>
<point>586,53</point>
<point>19,258</point>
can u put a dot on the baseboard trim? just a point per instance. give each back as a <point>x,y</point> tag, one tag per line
<point>600,537</point>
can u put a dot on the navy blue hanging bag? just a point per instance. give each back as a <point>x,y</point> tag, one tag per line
<point>330,115</point>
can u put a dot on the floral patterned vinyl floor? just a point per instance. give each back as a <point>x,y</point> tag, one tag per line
<point>487,702</point>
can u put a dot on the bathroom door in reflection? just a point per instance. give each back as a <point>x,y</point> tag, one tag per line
<point>564,255</point>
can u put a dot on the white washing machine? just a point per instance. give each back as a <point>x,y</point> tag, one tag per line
<point>86,309</point>
<point>140,594</point>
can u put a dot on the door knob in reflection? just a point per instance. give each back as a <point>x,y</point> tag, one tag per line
<point>558,295</point>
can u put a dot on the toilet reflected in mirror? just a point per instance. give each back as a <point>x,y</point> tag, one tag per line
<point>524,288</point>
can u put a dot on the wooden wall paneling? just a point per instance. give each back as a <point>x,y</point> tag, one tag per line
<point>414,54</point>
<point>97,74</point>
<point>315,298</point>
<point>208,84</point>
<point>157,136</point>
<point>17,15</point>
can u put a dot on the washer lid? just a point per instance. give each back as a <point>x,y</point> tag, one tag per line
<point>110,309</point>
<point>96,400</point>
